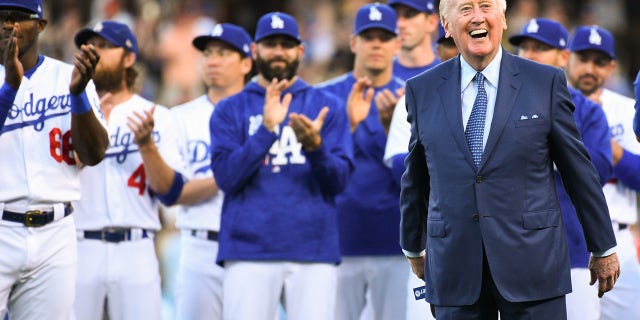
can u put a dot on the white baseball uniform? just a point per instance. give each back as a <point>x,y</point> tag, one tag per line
<point>118,206</point>
<point>623,302</point>
<point>38,170</point>
<point>399,133</point>
<point>199,280</point>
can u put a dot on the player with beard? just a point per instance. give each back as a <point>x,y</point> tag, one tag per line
<point>281,152</point>
<point>117,216</point>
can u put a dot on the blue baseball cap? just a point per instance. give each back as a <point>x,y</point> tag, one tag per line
<point>547,31</point>
<point>442,34</point>
<point>593,38</point>
<point>34,6</point>
<point>375,15</point>
<point>277,23</point>
<point>117,33</point>
<point>420,5</point>
<point>228,33</point>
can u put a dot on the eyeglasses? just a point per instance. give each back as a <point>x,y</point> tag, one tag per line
<point>16,16</point>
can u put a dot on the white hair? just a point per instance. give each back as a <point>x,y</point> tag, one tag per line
<point>444,8</point>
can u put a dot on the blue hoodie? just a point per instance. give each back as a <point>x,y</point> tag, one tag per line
<point>279,199</point>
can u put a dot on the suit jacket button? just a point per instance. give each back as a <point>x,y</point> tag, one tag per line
<point>476,217</point>
<point>479,179</point>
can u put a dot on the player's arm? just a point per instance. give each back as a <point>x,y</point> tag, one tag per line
<point>398,141</point>
<point>12,77</point>
<point>198,190</point>
<point>597,140</point>
<point>166,182</point>
<point>90,139</point>
<point>626,166</point>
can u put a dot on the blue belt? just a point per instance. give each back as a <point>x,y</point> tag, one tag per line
<point>34,218</point>
<point>113,234</point>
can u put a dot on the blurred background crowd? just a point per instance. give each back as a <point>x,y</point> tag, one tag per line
<point>169,63</point>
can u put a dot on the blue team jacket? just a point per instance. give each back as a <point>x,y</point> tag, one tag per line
<point>279,200</point>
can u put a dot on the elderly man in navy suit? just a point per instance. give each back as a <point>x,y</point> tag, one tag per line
<point>480,219</point>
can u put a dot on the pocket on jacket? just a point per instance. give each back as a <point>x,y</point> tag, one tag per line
<point>540,219</point>
<point>529,122</point>
<point>436,228</point>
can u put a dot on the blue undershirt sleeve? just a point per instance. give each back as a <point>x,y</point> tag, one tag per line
<point>7,96</point>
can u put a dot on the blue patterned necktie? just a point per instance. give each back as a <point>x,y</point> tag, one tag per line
<point>475,126</point>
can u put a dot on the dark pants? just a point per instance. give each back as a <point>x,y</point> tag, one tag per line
<point>491,301</point>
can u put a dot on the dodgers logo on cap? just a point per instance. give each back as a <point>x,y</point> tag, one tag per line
<point>375,15</point>
<point>547,31</point>
<point>593,38</point>
<point>231,34</point>
<point>277,23</point>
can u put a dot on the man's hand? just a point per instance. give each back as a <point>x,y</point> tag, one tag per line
<point>12,65</point>
<point>307,131</point>
<point>142,127</point>
<point>275,110</point>
<point>85,64</point>
<point>386,102</point>
<point>606,270</point>
<point>359,102</point>
<point>417,266</point>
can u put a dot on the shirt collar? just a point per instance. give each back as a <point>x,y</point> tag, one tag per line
<point>491,72</point>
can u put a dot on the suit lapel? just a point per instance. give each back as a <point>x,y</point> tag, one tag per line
<point>449,91</point>
<point>508,87</point>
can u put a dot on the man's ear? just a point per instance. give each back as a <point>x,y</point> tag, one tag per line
<point>42,23</point>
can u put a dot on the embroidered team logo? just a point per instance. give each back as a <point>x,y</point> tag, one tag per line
<point>277,22</point>
<point>217,31</point>
<point>533,26</point>
<point>98,27</point>
<point>594,37</point>
<point>562,42</point>
<point>375,14</point>
<point>254,124</point>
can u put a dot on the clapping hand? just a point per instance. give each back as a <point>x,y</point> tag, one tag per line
<point>275,110</point>
<point>85,63</point>
<point>359,102</point>
<point>307,131</point>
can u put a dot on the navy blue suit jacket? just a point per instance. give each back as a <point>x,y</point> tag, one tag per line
<point>509,205</point>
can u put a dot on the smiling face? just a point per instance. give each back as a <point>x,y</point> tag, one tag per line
<point>476,26</point>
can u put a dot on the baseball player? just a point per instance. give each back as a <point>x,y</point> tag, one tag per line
<point>546,41</point>
<point>117,216</point>
<point>281,152</point>
<point>417,21</point>
<point>591,62</point>
<point>372,261</point>
<point>445,46</point>
<point>49,122</point>
<point>226,61</point>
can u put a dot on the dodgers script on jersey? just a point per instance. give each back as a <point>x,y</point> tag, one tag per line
<point>35,141</point>
<point>192,120</point>
<point>123,198</point>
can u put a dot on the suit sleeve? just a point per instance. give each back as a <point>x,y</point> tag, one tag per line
<point>579,177</point>
<point>414,194</point>
<point>234,160</point>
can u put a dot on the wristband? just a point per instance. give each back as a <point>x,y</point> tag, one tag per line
<point>174,192</point>
<point>80,103</point>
